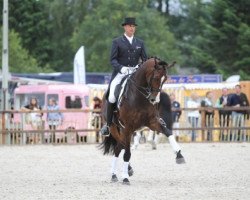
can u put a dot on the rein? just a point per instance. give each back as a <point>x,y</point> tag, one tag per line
<point>141,89</point>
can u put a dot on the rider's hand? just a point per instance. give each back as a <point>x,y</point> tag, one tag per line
<point>125,70</point>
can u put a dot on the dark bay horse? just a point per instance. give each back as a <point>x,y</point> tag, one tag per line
<point>141,105</point>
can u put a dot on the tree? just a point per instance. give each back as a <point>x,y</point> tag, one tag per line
<point>100,27</point>
<point>226,37</point>
<point>65,17</point>
<point>19,59</point>
<point>29,19</point>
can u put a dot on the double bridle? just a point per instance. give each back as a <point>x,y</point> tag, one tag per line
<point>147,91</point>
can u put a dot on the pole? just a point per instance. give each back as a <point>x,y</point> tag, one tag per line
<point>5,57</point>
<point>5,66</point>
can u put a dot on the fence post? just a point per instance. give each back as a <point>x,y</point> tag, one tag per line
<point>3,128</point>
<point>203,124</point>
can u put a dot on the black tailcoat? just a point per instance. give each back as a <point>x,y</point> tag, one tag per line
<point>125,54</point>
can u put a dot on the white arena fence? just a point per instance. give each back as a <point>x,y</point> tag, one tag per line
<point>233,127</point>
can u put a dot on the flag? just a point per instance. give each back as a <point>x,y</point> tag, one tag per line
<point>79,67</point>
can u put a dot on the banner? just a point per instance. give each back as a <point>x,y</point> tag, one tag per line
<point>79,67</point>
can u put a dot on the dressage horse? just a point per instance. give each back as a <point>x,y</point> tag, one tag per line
<point>138,107</point>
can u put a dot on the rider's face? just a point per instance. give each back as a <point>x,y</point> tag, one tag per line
<point>129,30</point>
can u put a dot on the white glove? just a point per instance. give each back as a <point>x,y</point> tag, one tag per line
<point>125,70</point>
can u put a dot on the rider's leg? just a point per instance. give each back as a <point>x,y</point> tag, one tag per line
<point>110,104</point>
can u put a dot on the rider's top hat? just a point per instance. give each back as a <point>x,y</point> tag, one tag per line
<point>129,21</point>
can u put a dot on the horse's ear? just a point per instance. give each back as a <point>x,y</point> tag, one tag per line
<point>172,65</point>
<point>163,63</point>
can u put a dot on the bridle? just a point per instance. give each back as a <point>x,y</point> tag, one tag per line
<point>148,90</point>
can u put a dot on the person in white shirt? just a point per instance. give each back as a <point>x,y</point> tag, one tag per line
<point>193,115</point>
<point>209,113</point>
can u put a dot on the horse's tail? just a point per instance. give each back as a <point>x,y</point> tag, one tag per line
<point>166,110</point>
<point>108,145</point>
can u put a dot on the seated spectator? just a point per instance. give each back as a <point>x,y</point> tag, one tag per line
<point>207,103</point>
<point>194,115</point>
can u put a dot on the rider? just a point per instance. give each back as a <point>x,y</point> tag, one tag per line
<point>126,52</point>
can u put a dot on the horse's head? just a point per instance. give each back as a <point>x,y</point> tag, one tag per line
<point>156,75</point>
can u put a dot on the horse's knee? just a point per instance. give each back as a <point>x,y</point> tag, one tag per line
<point>127,155</point>
<point>167,131</point>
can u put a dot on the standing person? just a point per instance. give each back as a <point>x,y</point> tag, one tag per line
<point>209,113</point>
<point>175,115</point>
<point>126,53</point>
<point>96,116</point>
<point>239,99</point>
<point>54,118</point>
<point>224,115</point>
<point>194,115</point>
<point>33,118</point>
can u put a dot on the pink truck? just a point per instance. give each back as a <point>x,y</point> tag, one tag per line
<point>68,97</point>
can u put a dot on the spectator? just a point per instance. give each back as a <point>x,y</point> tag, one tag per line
<point>33,118</point>
<point>207,103</point>
<point>194,115</point>
<point>54,118</point>
<point>224,115</point>
<point>239,99</point>
<point>96,121</point>
<point>175,115</point>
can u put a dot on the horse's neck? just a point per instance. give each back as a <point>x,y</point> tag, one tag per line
<point>135,96</point>
<point>140,78</point>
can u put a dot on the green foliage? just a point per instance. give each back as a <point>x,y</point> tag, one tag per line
<point>214,35</point>
<point>30,19</point>
<point>65,16</point>
<point>100,27</point>
<point>19,59</point>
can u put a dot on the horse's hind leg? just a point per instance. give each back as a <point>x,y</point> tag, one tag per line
<point>127,169</point>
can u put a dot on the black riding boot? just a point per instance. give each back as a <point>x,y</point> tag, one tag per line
<point>105,129</point>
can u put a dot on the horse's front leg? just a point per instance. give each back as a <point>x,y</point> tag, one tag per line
<point>117,151</point>
<point>160,126</point>
<point>126,169</point>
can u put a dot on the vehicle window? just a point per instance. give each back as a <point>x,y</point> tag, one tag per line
<point>86,100</point>
<point>72,102</point>
<point>52,96</point>
<point>24,99</point>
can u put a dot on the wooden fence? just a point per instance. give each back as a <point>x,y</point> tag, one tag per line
<point>234,127</point>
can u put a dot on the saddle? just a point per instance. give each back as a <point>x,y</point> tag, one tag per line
<point>120,90</point>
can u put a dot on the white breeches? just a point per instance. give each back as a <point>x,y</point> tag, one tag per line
<point>113,85</point>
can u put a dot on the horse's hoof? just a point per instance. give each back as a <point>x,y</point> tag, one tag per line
<point>130,171</point>
<point>125,181</point>
<point>179,158</point>
<point>114,178</point>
